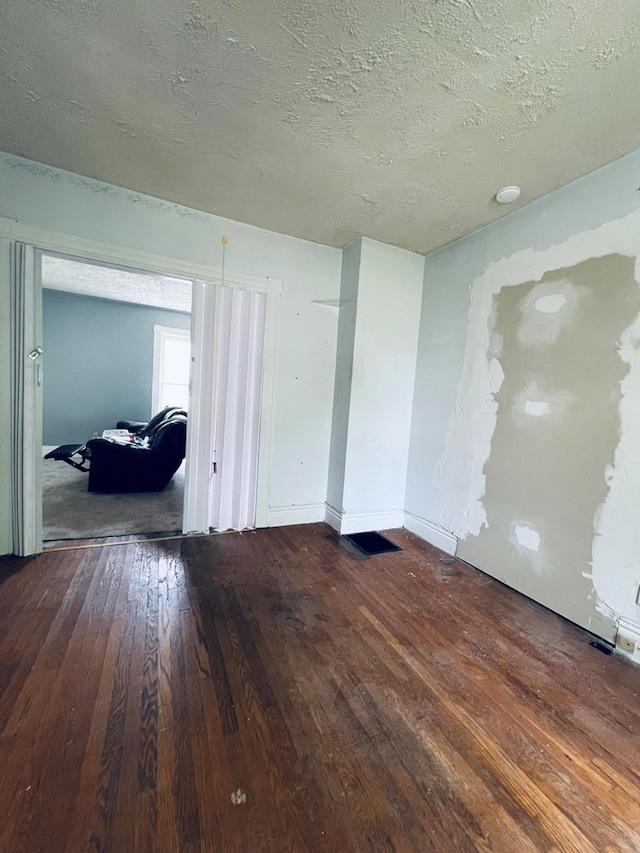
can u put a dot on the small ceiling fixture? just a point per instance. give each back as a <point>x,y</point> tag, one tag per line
<point>507,194</point>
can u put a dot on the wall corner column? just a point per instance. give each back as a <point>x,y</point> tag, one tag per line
<point>381,296</point>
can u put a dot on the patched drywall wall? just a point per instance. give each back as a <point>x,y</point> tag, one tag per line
<point>556,373</point>
<point>557,329</point>
<point>460,378</point>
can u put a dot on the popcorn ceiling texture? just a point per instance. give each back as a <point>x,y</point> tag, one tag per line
<point>160,291</point>
<point>324,119</point>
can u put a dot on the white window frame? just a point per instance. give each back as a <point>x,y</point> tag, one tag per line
<point>161,334</point>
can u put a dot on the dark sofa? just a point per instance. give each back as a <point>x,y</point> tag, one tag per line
<point>144,461</point>
<point>147,463</point>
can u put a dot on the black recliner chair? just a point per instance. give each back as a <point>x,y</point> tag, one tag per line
<point>146,464</point>
<point>143,429</point>
<point>141,466</point>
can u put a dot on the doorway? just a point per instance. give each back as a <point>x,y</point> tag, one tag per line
<point>28,360</point>
<point>116,342</point>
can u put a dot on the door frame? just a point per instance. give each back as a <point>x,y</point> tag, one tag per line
<point>26,398</point>
<point>81,248</point>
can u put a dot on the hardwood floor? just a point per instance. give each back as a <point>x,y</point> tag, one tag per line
<point>275,691</point>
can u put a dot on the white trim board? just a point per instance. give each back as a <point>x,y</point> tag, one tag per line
<point>361,522</point>
<point>431,533</point>
<point>332,517</point>
<point>26,399</point>
<point>115,255</point>
<point>281,516</point>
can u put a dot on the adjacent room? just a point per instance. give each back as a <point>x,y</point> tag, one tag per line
<point>319,395</point>
<point>118,347</point>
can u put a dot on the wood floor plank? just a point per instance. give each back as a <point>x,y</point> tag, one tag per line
<point>549,681</point>
<point>114,760</point>
<point>139,744</point>
<point>80,830</point>
<point>532,798</point>
<point>497,710</point>
<point>276,690</point>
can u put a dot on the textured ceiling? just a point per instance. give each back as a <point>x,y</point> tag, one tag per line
<point>325,119</point>
<point>110,283</point>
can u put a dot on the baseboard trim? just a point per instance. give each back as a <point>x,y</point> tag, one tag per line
<point>630,631</point>
<point>281,516</point>
<point>332,517</point>
<point>431,533</point>
<point>360,522</point>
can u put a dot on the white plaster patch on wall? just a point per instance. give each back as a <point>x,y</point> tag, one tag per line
<point>535,401</point>
<point>616,545</point>
<point>527,536</point>
<point>496,375</point>
<point>546,311</point>
<point>536,408</point>
<point>459,476</point>
<point>550,304</point>
<point>527,541</point>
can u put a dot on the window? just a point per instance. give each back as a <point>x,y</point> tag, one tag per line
<point>171,368</point>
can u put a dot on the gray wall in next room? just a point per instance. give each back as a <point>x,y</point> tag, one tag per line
<point>98,363</point>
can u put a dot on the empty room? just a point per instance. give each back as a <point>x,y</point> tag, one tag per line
<point>319,417</point>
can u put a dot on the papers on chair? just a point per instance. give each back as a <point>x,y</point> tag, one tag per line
<point>121,436</point>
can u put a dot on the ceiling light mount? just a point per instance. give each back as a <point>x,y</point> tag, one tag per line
<point>507,194</point>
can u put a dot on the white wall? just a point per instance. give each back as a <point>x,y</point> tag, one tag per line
<point>385,338</point>
<point>64,202</point>
<point>588,218</point>
<point>344,368</point>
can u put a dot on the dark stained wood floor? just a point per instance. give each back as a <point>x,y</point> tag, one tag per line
<point>274,691</point>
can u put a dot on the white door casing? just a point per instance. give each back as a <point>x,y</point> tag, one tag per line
<point>26,399</point>
<point>27,503</point>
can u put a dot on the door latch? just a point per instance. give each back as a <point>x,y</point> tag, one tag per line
<point>35,353</point>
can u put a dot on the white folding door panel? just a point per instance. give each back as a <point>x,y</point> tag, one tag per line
<point>237,392</point>
<point>196,509</point>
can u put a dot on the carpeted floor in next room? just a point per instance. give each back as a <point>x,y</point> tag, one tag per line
<point>71,512</point>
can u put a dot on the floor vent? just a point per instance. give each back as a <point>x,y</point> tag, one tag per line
<point>601,645</point>
<point>372,543</point>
